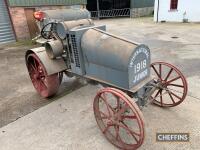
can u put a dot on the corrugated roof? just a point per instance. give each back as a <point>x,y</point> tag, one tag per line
<point>45,2</point>
<point>142,3</point>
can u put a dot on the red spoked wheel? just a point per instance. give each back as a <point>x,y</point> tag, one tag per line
<point>119,118</point>
<point>45,85</point>
<point>172,85</point>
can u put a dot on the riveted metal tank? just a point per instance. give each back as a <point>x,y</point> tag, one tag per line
<point>62,28</point>
<point>115,59</point>
<point>67,14</point>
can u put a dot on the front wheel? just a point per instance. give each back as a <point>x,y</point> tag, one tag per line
<point>119,118</point>
<point>172,85</point>
<point>45,85</point>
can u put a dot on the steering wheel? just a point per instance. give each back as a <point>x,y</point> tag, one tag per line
<point>46,31</point>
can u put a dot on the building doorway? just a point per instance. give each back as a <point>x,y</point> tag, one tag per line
<point>108,8</point>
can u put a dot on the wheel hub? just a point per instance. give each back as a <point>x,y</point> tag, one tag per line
<point>162,84</point>
<point>36,76</point>
<point>116,118</point>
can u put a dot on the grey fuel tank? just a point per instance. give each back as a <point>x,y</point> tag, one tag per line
<point>115,59</point>
<point>67,14</point>
<point>62,28</point>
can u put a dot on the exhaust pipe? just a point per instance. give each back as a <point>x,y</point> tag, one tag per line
<point>54,49</point>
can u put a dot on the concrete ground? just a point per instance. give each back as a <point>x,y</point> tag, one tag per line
<point>67,122</point>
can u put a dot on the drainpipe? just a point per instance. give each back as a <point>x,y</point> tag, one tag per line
<point>98,12</point>
<point>158,7</point>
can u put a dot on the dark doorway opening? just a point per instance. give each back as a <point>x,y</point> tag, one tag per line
<point>109,8</point>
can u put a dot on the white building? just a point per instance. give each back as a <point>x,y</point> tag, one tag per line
<point>177,10</point>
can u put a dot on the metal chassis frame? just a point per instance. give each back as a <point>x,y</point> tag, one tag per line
<point>141,100</point>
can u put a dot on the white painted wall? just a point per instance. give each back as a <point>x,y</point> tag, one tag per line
<point>191,7</point>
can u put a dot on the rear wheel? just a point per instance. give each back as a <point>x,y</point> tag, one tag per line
<point>45,85</point>
<point>119,118</point>
<point>172,85</point>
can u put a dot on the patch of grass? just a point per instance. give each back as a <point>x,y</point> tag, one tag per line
<point>20,43</point>
<point>24,43</point>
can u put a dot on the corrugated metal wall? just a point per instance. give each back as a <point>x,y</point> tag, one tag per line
<point>45,2</point>
<point>6,32</point>
<point>142,3</point>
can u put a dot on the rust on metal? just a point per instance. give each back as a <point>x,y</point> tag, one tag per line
<point>174,87</point>
<point>114,112</point>
<point>51,66</point>
<point>44,84</point>
<point>74,45</point>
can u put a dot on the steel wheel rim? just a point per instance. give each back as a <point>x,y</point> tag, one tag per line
<point>45,85</point>
<point>174,96</point>
<point>115,138</point>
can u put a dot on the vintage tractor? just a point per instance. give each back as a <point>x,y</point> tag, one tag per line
<point>73,45</point>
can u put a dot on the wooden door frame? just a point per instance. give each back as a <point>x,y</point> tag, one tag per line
<point>29,27</point>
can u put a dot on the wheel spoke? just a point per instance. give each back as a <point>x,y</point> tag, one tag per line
<point>171,97</point>
<point>174,79</point>
<point>105,116</point>
<point>105,101</point>
<point>176,85</point>
<point>32,75</point>
<point>127,128</point>
<point>107,104</point>
<point>160,70</point>
<point>107,127</point>
<point>117,133</point>
<point>35,64</point>
<point>161,98</point>
<point>118,104</point>
<point>43,85</point>
<point>130,131</point>
<point>39,85</point>
<point>128,117</point>
<point>32,78</point>
<point>33,67</point>
<point>156,94</point>
<point>156,72</point>
<point>175,95</point>
<point>35,83</point>
<point>169,74</point>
